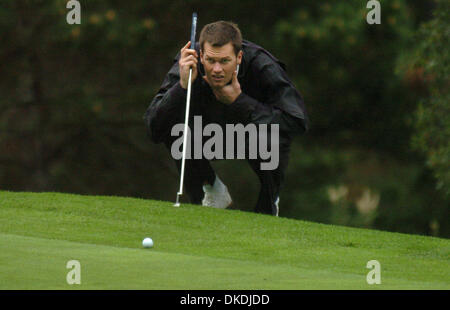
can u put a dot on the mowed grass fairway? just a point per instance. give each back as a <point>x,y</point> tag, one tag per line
<point>199,248</point>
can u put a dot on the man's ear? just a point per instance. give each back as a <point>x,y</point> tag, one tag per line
<point>239,57</point>
<point>201,57</point>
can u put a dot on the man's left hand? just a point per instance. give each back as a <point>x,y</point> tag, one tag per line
<point>228,93</point>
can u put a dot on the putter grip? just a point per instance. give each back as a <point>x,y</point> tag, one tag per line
<point>193,30</point>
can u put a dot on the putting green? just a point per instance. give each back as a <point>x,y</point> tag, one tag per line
<point>199,248</point>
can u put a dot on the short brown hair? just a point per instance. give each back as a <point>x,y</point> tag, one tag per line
<point>220,33</point>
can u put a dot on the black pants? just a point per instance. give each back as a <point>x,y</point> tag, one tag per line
<point>199,172</point>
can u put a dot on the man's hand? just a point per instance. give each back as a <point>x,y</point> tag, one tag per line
<point>228,93</point>
<point>188,59</point>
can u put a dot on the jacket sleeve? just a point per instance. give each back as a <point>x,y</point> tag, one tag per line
<point>166,108</point>
<point>282,103</point>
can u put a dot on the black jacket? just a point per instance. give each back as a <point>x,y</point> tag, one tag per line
<point>268,97</point>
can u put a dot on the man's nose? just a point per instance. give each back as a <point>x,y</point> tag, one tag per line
<point>217,67</point>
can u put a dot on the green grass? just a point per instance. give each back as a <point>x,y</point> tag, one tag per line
<point>199,248</point>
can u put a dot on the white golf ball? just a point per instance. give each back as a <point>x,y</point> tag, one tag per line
<point>147,243</point>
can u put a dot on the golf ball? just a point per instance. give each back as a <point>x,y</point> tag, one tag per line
<point>147,243</point>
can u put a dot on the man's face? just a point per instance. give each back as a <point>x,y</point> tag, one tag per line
<point>219,63</point>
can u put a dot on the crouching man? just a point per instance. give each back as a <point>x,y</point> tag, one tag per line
<point>234,81</point>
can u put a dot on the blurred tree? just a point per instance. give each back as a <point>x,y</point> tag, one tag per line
<point>74,94</point>
<point>344,66</point>
<point>432,63</point>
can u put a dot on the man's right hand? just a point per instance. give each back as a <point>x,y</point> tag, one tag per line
<point>188,59</point>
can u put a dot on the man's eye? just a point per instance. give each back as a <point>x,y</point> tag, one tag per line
<point>224,61</point>
<point>211,61</point>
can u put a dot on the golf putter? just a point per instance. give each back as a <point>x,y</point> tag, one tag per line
<point>188,101</point>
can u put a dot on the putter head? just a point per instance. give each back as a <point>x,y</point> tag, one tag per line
<point>177,203</point>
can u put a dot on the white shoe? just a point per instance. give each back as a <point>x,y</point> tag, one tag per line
<point>216,196</point>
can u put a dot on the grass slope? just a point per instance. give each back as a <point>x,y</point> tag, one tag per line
<point>199,248</point>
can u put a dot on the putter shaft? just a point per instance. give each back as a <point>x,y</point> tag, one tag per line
<point>185,135</point>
